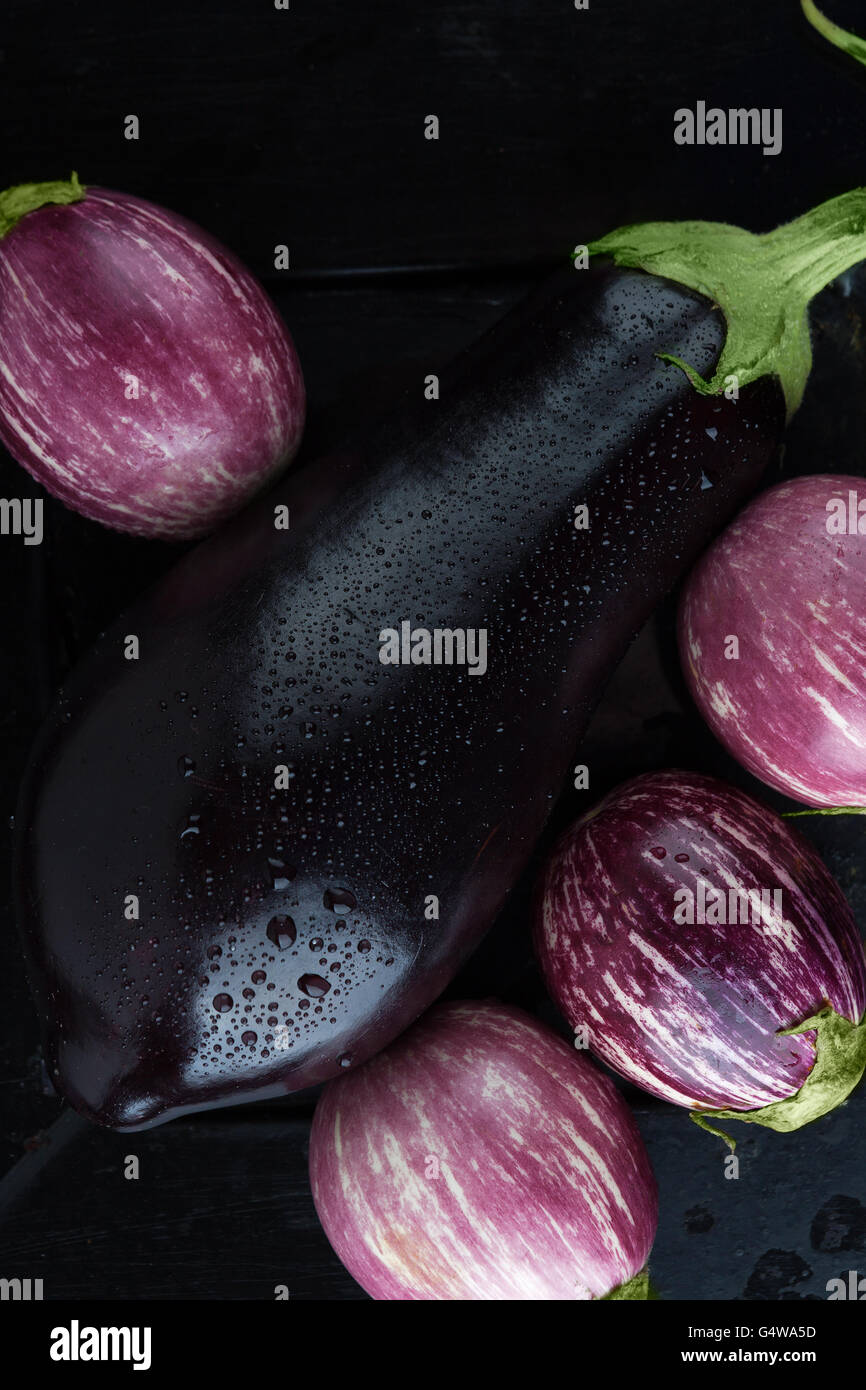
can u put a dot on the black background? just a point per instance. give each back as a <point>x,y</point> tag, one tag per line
<point>306,128</point>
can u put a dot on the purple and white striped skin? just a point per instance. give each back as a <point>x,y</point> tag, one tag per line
<point>792,707</point>
<point>544,1188</point>
<point>692,1012</point>
<point>112,288</point>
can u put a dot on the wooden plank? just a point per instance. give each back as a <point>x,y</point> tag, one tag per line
<point>306,127</point>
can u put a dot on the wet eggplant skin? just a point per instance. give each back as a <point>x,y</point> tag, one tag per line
<point>155,777</point>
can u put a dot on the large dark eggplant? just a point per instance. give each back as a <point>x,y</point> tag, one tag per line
<point>200,934</point>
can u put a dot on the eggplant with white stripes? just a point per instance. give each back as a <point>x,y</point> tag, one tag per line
<point>146,379</point>
<point>258,841</point>
<point>704,951</point>
<point>482,1157</point>
<point>786,582</point>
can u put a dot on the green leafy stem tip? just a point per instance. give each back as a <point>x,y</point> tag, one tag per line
<point>840,1061</point>
<point>849,43</point>
<point>638,1287</point>
<point>16,202</point>
<point>763,284</point>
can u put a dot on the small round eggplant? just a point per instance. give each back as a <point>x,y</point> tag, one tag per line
<point>706,951</point>
<point>481,1157</point>
<point>772,633</point>
<point>146,379</point>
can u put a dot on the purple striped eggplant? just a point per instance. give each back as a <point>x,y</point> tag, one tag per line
<point>146,379</point>
<point>706,953</point>
<point>772,633</point>
<point>481,1157</point>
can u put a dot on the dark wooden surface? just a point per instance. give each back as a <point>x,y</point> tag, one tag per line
<point>306,128</point>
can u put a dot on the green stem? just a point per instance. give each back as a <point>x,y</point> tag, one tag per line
<point>840,1061</point>
<point>763,284</point>
<point>16,202</point>
<point>842,38</point>
<point>826,811</point>
<point>637,1288</point>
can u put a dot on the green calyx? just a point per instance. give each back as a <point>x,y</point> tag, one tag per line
<point>763,284</point>
<point>826,811</point>
<point>16,202</point>
<point>849,43</point>
<point>637,1288</point>
<point>840,1061</point>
